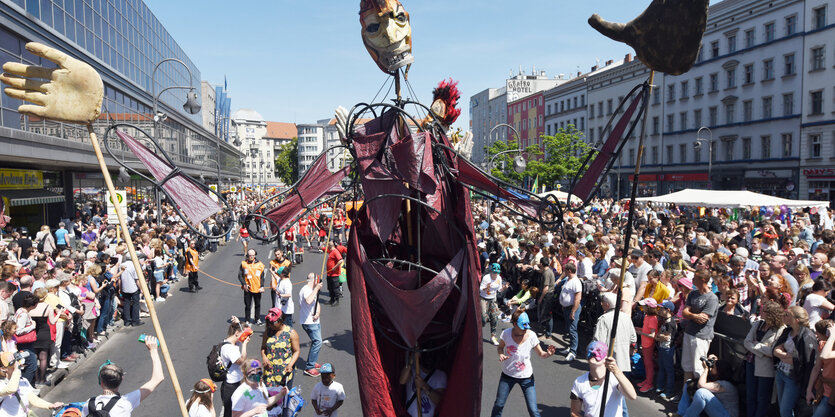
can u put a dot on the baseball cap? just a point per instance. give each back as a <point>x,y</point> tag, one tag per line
<point>686,282</point>
<point>274,315</point>
<point>637,253</point>
<point>326,368</point>
<point>668,305</point>
<point>496,268</point>
<point>649,302</point>
<point>52,283</point>
<point>741,252</point>
<point>597,349</point>
<point>71,412</point>
<point>797,251</point>
<point>523,321</point>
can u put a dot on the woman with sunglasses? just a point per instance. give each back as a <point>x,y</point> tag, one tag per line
<point>201,403</point>
<point>252,399</point>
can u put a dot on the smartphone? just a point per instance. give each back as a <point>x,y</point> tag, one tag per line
<point>59,306</point>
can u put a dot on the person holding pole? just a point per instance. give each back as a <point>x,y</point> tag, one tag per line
<point>309,318</point>
<point>110,378</point>
<point>586,395</point>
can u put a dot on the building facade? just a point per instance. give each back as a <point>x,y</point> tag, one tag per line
<point>488,109</point>
<point>817,131</point>
<point>527,116</point>
<point>123,41</point>
<point>257,153</point>
<point>566,105</point>
<point>742,96</point>
<point>311,143</point>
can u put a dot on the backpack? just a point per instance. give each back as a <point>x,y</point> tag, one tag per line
<point>214,362</point>
<point>104,411</point>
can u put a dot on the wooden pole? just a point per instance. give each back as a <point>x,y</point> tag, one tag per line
<point>325,259</point>
<point>142,283</point>
<point>628,236</point>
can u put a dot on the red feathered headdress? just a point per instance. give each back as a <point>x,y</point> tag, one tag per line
<point>447,93</point>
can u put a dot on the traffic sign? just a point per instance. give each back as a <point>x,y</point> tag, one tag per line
<point>122,200</point>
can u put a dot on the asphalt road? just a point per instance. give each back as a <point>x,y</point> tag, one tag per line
<point>194,322</point>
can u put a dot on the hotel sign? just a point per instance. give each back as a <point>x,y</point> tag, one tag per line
<point>11,179</point>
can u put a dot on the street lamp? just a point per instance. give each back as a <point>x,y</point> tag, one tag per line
<point>519,162</point>
<point>697,144</point>
<point>191,105</point>
<point>253,152</point>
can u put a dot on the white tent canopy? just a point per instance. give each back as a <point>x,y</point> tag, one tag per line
<point>729,199</point>
<point>561,196</point>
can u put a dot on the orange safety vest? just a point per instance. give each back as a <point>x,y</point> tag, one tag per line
<point>252,275</point>
<point>195,257</point>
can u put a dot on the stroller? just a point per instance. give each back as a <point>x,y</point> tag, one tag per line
<point>298,254</point>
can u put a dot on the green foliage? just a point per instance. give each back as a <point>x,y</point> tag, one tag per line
<point>557,160</point>
<point>287,162</point>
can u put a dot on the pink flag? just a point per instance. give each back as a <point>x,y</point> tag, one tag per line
<point>194,202</point>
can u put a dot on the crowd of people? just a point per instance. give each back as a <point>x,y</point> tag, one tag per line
<point>63,291</point>
<point>685,269</point>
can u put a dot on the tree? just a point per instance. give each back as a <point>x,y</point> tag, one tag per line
<point>287,162</point>
<point>563,154</point>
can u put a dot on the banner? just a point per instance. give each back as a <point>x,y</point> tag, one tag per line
<point>16,179</point>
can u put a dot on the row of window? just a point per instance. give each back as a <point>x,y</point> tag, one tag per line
<point>529,123</point>
<point>730,113</point>
<point>565,125</point>
<point>524,105</point>
<point>566,105</point>
<point>819,20</point>
<point>727,149</point>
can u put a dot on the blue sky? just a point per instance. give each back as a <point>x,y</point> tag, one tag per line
<point>296,61</point>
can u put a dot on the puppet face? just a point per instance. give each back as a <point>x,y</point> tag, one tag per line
<point>386,33</point>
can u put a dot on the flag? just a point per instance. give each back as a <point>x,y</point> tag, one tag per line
<point>535,184</point>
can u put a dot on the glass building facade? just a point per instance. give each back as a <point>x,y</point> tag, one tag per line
<point>123,41</point>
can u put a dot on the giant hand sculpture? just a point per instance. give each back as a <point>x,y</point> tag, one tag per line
<point>71,93</point>
<point>666,36</point>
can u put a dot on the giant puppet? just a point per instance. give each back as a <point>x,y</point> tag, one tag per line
<point>412,264</point>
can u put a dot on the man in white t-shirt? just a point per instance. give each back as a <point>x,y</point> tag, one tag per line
<point>284,296</point>
<point>570,297</point>
<point>639,269</point>
<point>233,354</point>
<point>328,395</point>
<point>309,317</point>
<point>110,378</point>
<point>586,393</point>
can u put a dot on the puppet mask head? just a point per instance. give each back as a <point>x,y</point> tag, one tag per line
<point>386,33</point>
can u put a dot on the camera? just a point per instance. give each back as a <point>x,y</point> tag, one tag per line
<point>709,362</point>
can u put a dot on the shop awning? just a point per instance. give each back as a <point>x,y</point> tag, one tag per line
<point>31,197</point>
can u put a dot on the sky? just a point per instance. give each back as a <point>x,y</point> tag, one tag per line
<point>296,61</point>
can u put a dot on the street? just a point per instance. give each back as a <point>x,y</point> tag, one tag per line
<point>194,322</point>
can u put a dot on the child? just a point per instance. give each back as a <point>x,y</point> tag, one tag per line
<point>665,336</point>
<point>647,333</point>
<point>585,397</point>
<point>327,396</point>
<point>200,404</point>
